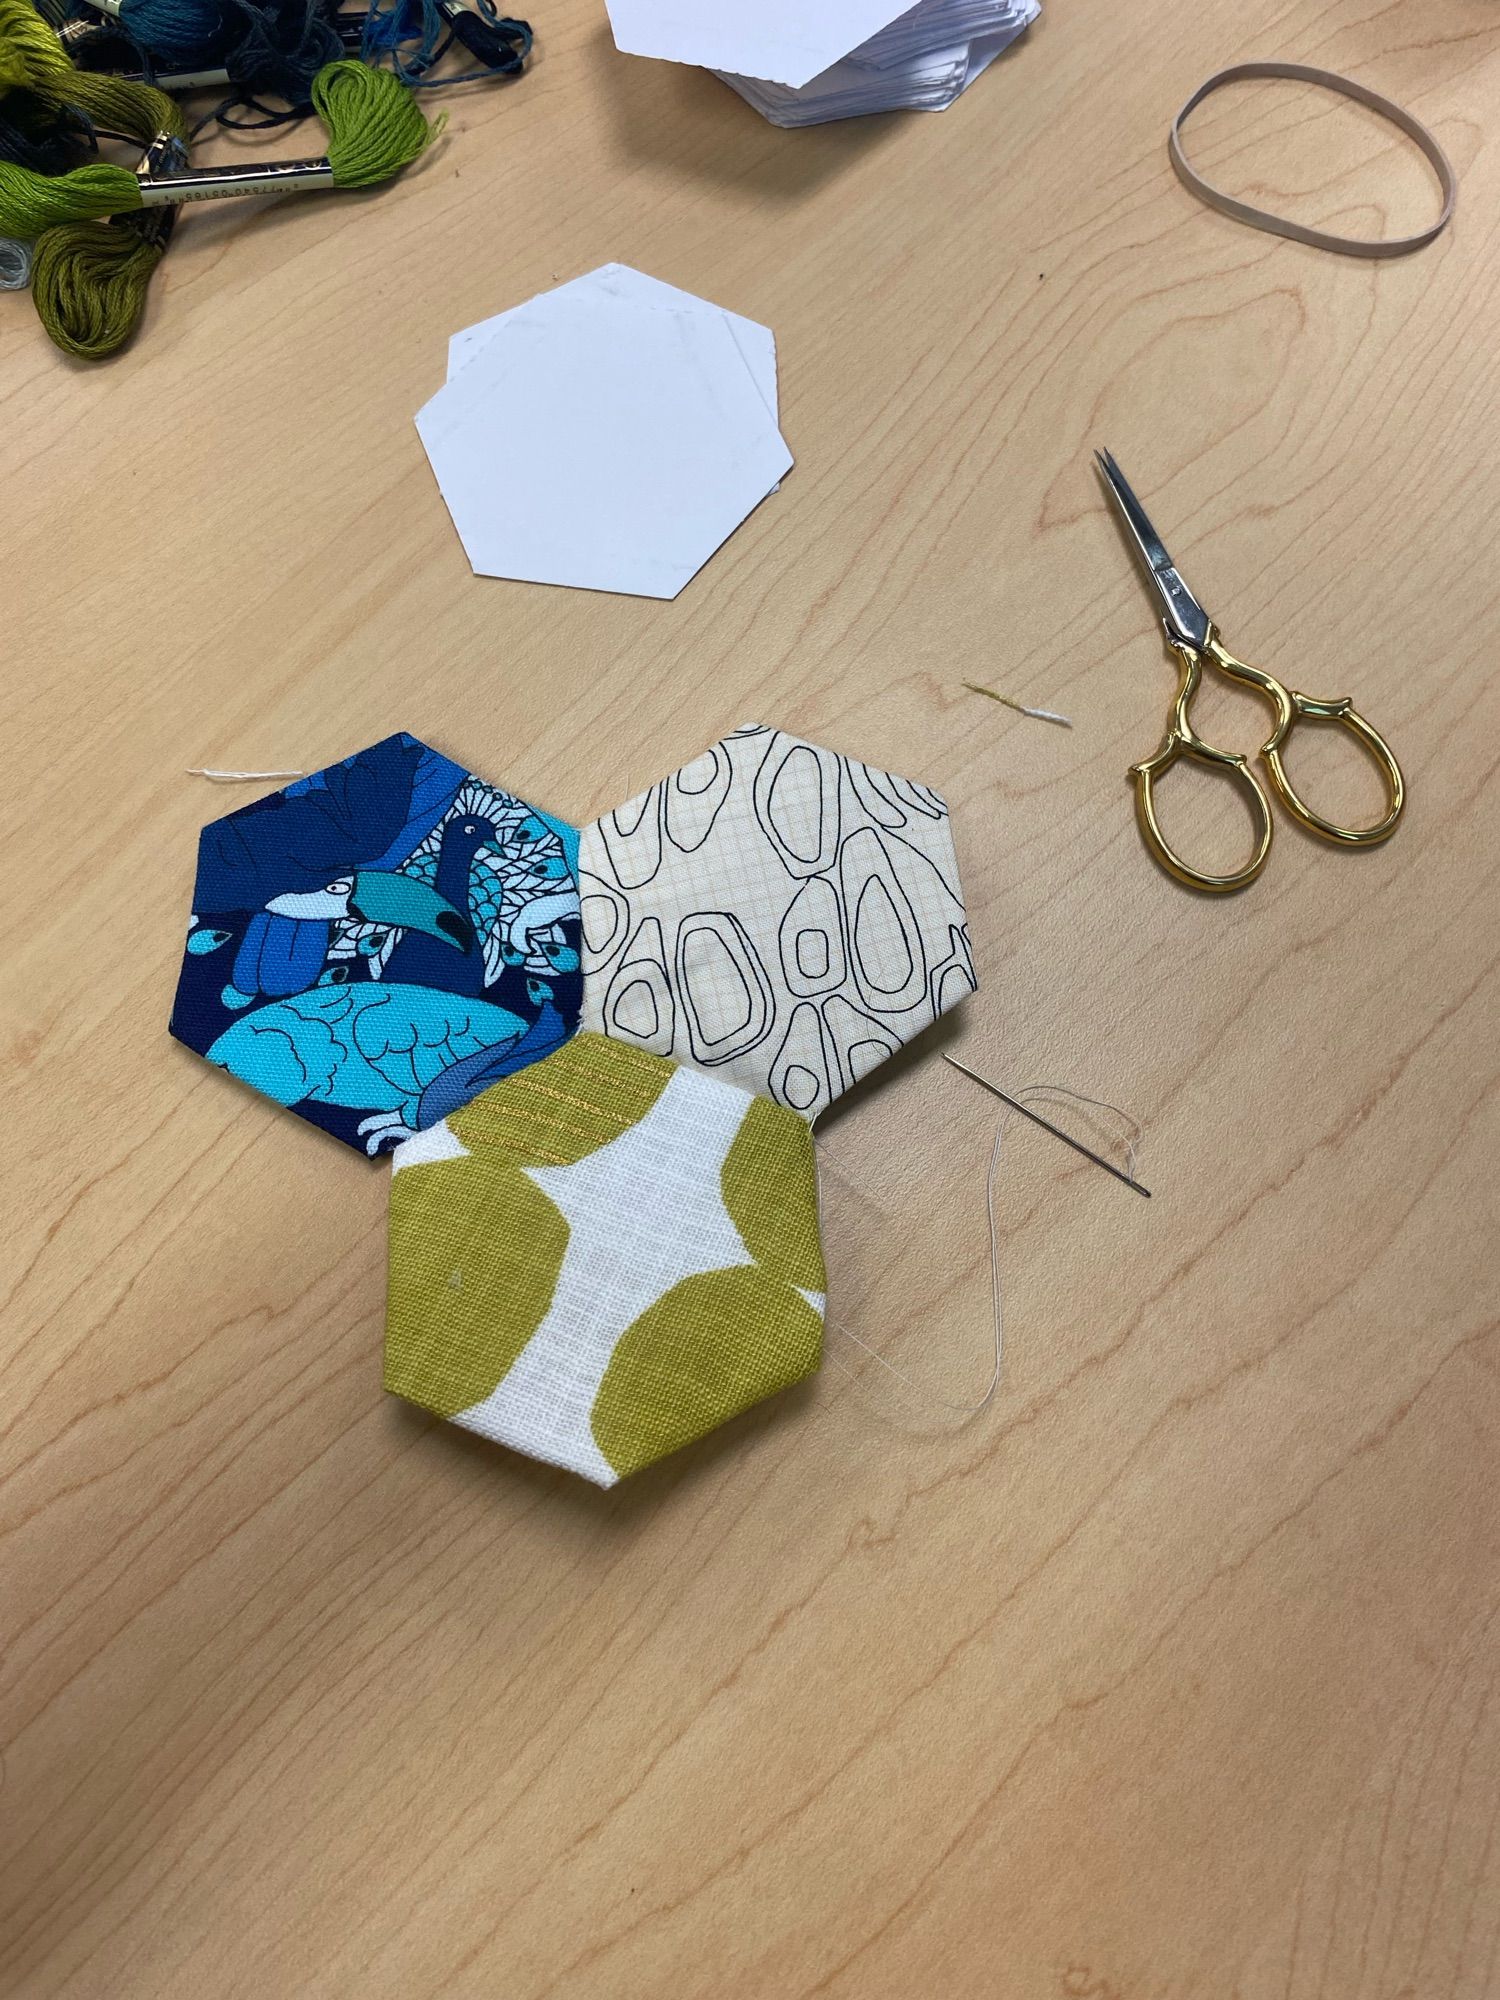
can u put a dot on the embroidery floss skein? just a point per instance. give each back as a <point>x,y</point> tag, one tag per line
<point>283,46</point>
<point>275,49</point>
<point>49,141</point>
<point>89,279</point>
<point>33,60</point>
<point>374,126</point>
<point>497,43</point>
<point>41,136</point>
<point>180,34</point>
<point>270,50</point>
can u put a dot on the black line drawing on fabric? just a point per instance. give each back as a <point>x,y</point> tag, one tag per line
<point>714,952</point>
<point>689,808</point>
<point>639,1006</point>
<point>775,912</point>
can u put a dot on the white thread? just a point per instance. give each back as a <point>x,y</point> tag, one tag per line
<point>1009,701</point>
<point>1046,1090</point>
<point>243,777</point>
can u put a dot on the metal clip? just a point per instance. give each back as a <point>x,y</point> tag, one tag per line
<point>217,183</point>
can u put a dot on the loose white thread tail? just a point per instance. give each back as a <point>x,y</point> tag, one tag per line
<point>243,777</point>
<point>1129,1142</point>
<point>1008,701</point>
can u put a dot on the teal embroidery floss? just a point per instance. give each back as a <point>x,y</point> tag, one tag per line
<point>415,35</point>
<point>180,34</point>
<point>275,50</point>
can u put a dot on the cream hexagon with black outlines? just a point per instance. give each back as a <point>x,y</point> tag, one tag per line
<point>776,914</point>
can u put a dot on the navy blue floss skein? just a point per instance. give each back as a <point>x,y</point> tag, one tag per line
<point>35,135</point>
<point>284,45</point>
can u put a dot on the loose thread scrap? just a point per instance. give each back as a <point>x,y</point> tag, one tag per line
<point>1130,1140</point>
<point>241,777</point>
<point>1008,701</point>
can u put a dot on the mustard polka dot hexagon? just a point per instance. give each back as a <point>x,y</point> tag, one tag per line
<point>603,1257</point>
<point>376,943</point>
<point>774,914</point>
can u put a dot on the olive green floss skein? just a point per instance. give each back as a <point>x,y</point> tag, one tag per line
<point>88,277</point>
<point>375,128</point>
<point>32,58</point>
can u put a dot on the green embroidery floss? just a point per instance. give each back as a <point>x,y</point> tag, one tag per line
<point>374,125</point>
<point>31,203</point>
<point>88,281</point>
<point>88,278</point>
<point>94,248</point>
<point>33,59</point>
<point>37,135</point>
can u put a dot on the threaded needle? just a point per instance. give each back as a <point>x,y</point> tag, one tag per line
<point>1047,1125</point>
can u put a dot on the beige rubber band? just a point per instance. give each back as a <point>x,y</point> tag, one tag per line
<point>1258,218</point>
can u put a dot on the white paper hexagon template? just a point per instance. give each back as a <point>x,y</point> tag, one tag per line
<point>604,437</point>
<point>788,41</point>
<point>774,913</point>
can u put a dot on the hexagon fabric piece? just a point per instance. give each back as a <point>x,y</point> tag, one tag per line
<point>776,914</point>
<point>607,435</point>
<point>787,41</point>
<point>377,943</point>
<point>603,1257</point>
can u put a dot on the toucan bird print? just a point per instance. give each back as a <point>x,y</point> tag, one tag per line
<point>374,945</point>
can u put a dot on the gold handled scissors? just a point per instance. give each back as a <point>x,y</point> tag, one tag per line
<point>1192,637</point>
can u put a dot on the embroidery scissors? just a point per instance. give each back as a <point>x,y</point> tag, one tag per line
<point>1192,636</point>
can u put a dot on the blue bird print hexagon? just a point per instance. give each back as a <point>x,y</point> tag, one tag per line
<point>376,944</point>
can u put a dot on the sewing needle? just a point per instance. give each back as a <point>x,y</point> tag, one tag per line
<point>1046,1125</point>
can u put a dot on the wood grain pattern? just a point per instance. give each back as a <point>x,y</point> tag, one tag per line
<point>1174,1673</point>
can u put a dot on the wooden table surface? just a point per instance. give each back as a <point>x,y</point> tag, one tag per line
<point>1174,1672</point>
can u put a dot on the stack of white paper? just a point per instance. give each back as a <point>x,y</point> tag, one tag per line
<point>801,65</point>
<point>609,434</point>
<point>935,22</point>
<point>921,62</point>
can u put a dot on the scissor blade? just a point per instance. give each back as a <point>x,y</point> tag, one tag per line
<point>1185,617</point>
